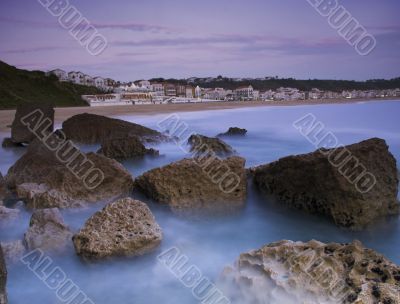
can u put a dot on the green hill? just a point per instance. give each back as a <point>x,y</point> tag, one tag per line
<point>21,87</point>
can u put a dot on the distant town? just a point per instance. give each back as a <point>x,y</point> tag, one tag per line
<point>164,92</point>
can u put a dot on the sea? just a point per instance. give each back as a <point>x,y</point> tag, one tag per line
<point>212,242</point>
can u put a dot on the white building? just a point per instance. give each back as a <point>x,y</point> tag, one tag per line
<point>256,95</point>
<point>60,74</point>
<point>189,92</point>
<point>145,84</point>
<point>197,92</point>
<point>245,93</point>
<point>99,82</point>
<point>267,95</point>
<point>157,89</point>
<point>87,80</point>
<point>288,94</point>
<point>76,77</point>
<point>315,94</point>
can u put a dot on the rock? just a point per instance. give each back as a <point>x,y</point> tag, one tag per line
<point>13,251</point>
<point>312,272</point>
<point>44,181</point>
<point>9,143</point>
<point>234,131</point>
<point>197,183</point>
<point>92,129</point>
<point>19,132</point>
<point>39,196</point>
<point>47,231</point>
<point>4,192</point>
<point>125,148</point>
<point>310,182</point>
<point>123,228</point>
<point>3,279</point>
<point>205,145</point>
<point>8,214</point>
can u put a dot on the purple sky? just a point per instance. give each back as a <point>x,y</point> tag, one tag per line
<point>177,38</point>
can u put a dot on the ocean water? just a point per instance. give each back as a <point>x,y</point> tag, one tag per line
<point>211,243</point>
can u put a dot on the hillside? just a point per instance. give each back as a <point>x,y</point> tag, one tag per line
<point>21,86</point>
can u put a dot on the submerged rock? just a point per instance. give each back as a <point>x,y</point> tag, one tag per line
<point>197,183</point>
<point>207,145</point>
<point>45,180</point>
<point>313,272</point>
<point>123,228</point>
<point>314,183</point>
<point>3,279</point>
<point>8,214</point>
<point>13,251</point>
<point>42,196</point>
<point>48,231</point>
<point>91,129</point>
<point>125,148</point>
<point>19,132</point>
<point>234,131</point>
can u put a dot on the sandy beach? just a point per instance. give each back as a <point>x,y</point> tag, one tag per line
<point>61,114</point>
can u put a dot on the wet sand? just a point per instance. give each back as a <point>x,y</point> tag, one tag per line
<point>7,116</point>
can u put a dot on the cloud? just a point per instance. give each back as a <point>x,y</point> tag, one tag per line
<point>35,49</point>
<point>28,23</point>
<point>249,43</point>
<point>136,27</point>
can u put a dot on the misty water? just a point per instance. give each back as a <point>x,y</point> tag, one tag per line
<point>211,243</point>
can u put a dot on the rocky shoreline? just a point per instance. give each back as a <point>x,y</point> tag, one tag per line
<point>53,174</point>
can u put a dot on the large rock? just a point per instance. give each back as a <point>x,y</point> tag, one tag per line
<point>125,148</point>
<point>3,279</point>
<point>200,144</point>
<point>197,183</point>
<point>312,182</point>
<point>13,251</point>
<point>234,131</point>
<point>48,231</point>
<point>91,129</point>
<point>44,181</point>
<point>4,193</point>
<point>123,228</point>
<point>19,132</point>
<point>313,272</point>
<point>9,143</point>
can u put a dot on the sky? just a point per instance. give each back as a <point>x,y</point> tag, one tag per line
<point>185,38</point>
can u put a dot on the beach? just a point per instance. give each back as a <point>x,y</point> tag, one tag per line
<point>61,114</point>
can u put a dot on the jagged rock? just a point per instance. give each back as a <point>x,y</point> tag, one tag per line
<point>313,183</point>
<point>44,181</point>
<point>8,214</point>
<point>123,228</point>
<point>13,251</point>
<point>9,143</point>
<point>3,279</point>
<point>19,132</point>
<point>125,148</point>
<point>91,129</point>
<point>200,144</point>
<point>39,196</point>
<point>47,231</point>
<point>4,193</point>
<point>197,183</point>
<point>312,272</point>
<point>234,131</point>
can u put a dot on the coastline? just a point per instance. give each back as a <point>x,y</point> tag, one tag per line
<point>61,114</point>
